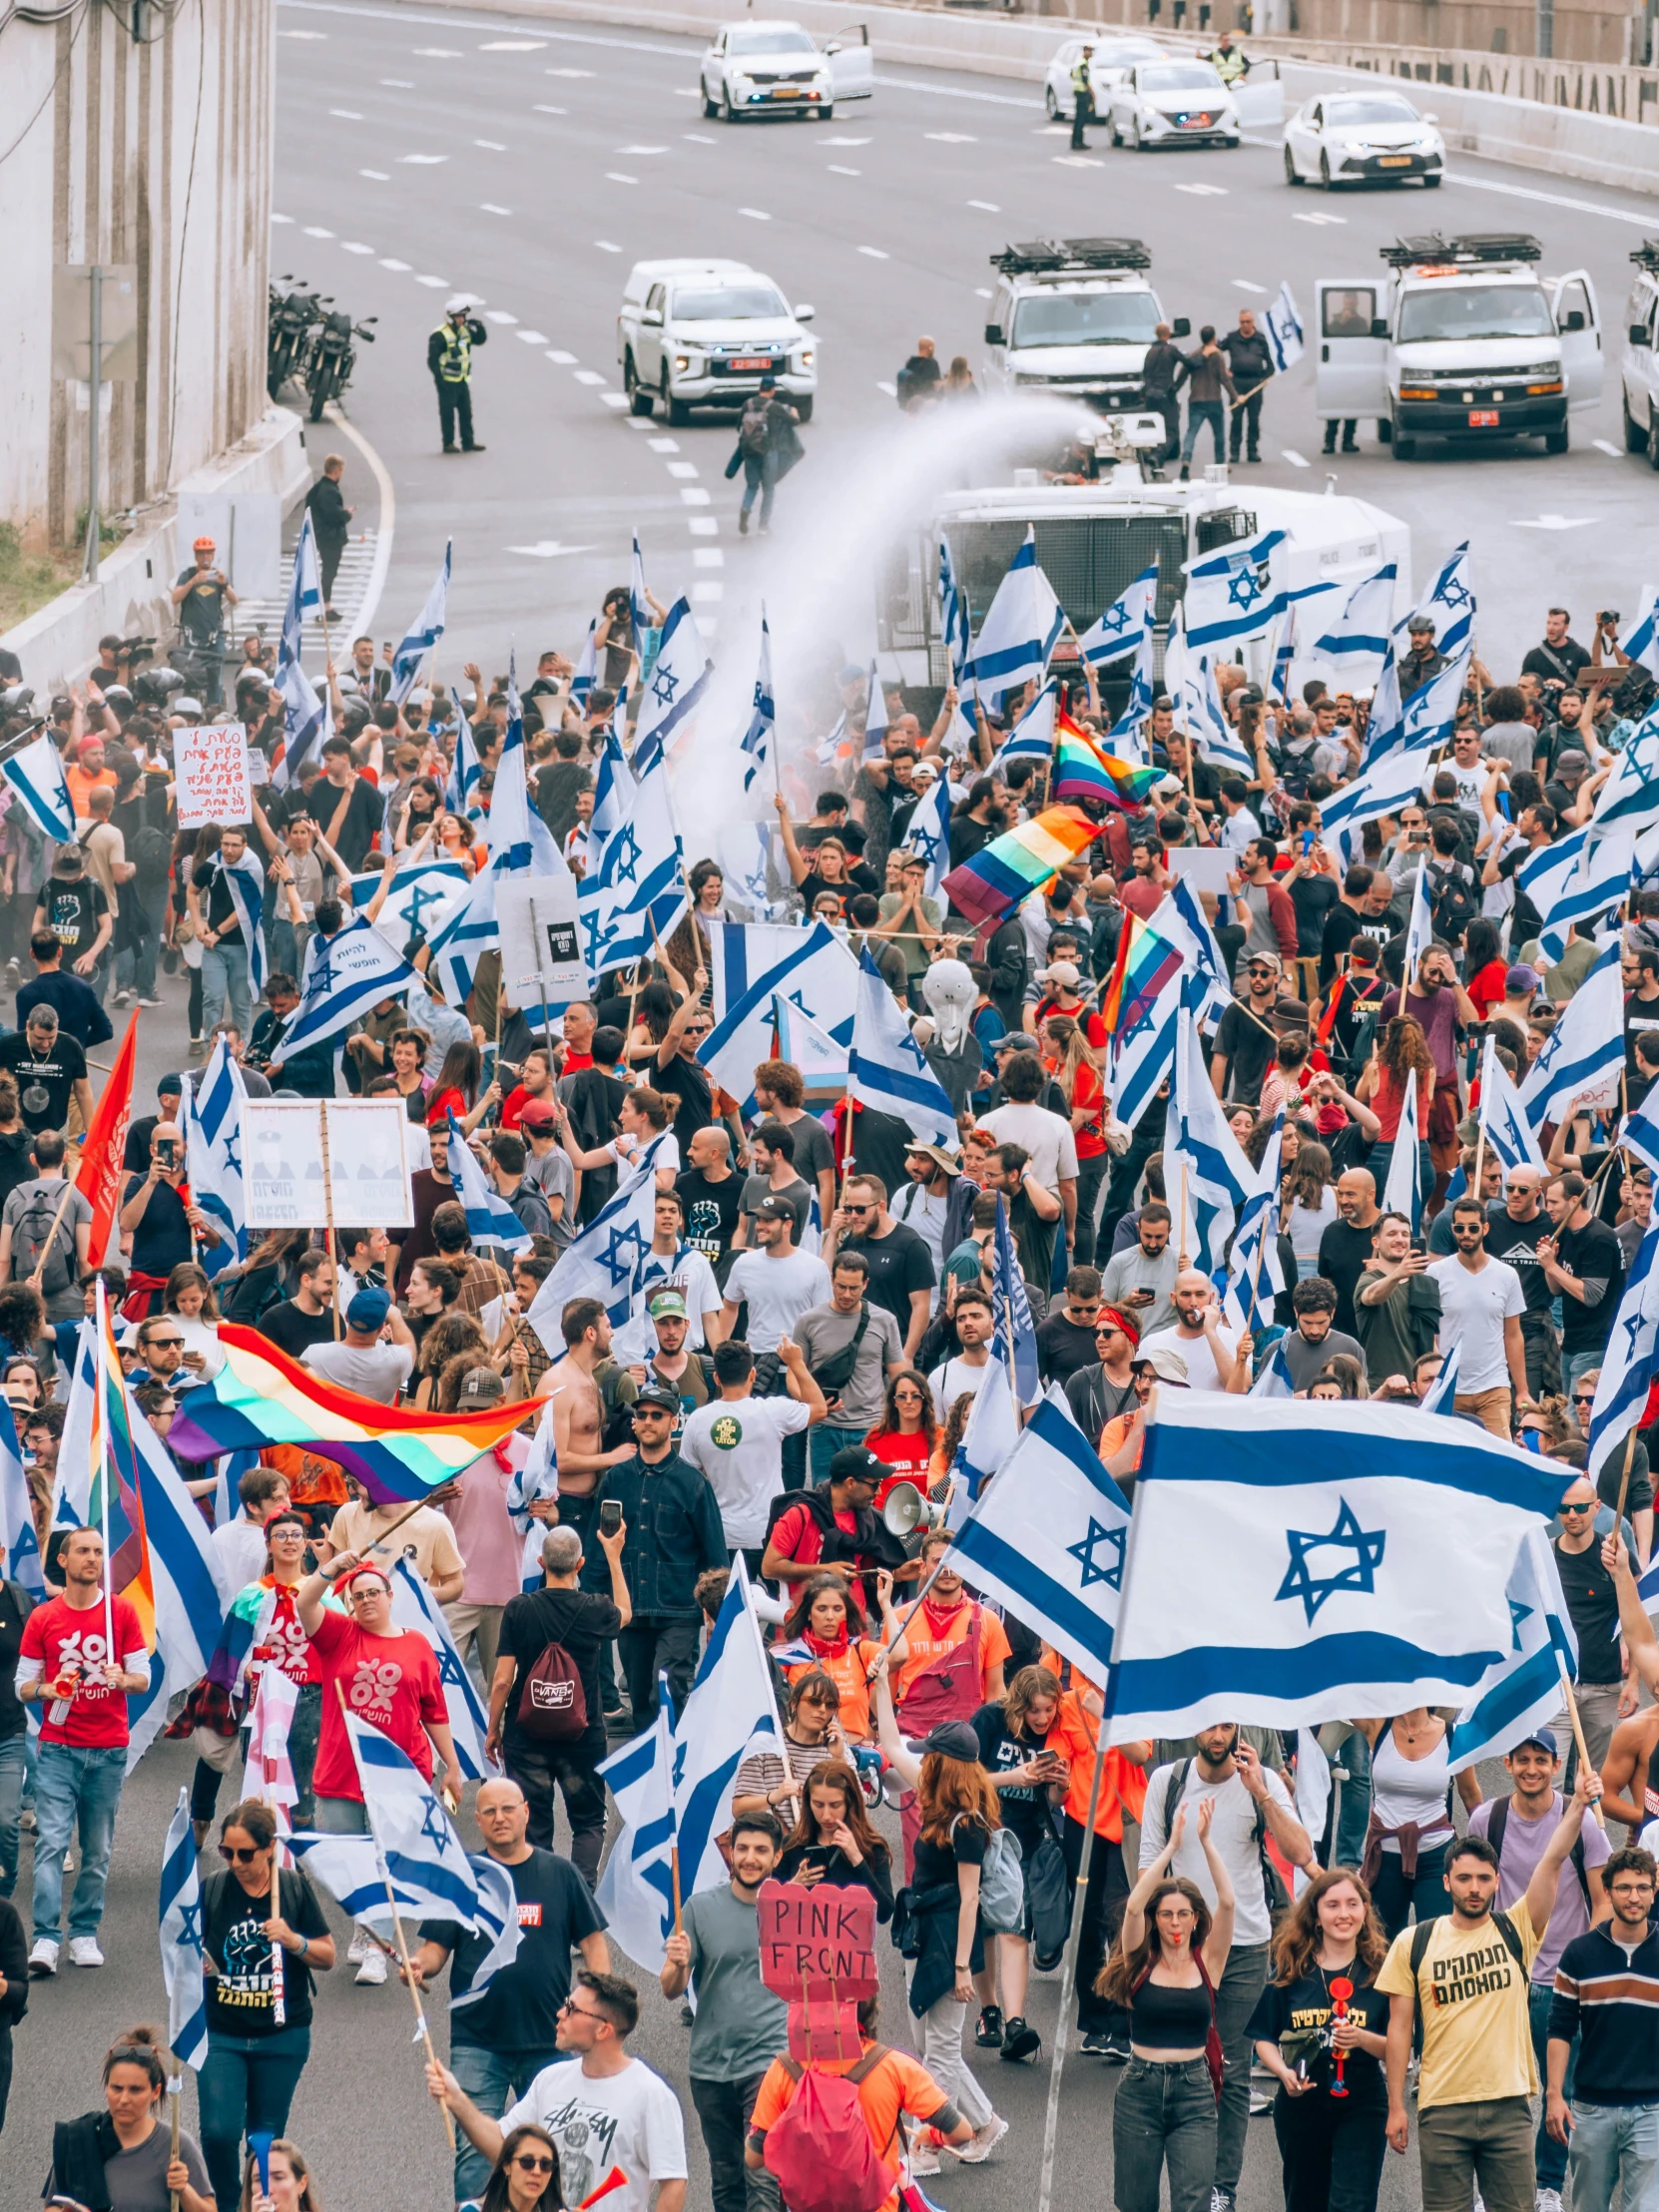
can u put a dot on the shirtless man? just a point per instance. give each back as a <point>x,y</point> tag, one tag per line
<point>1627,1789</point>
<point>575,1414</point>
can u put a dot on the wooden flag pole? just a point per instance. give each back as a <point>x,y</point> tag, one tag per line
<point>329,1211</point>
<point>175,2086</point>
<point>1181,1245</point>
<point>39,1274</point>
<point>1624,1481</point>
<point>1577,1724</point>
<point>673,1873</point>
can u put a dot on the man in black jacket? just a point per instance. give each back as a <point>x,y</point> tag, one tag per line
<point>331,523</point>
<point>1162,374</point>
<point>1251,360</point>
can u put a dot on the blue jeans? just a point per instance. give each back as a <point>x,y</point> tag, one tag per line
<point>1548,2156</point>
<point>1164,2115</point>
<point>1581,1364</point>
<point>226,994</point>
<point>493,2081</point>
<point>74,1787</point>
<point>822,1444</point>
<point>760,475</point>
<point>1614,2145</point>
<point>14,1760</point>
<point>246,2086</point>
<point>1394,1897</point>
<point>1201,412</point>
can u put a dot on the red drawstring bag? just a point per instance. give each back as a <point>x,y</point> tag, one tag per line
<point>819,2147</point>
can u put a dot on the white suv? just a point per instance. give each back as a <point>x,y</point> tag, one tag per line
<point>766,68</point>
<point>701,333</point>
<point>1639,375</point>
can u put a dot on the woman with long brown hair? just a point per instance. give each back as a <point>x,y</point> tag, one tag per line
<point>825,1630</point>
<point>1172,1952</point>
<point>525,2178</point>
<point>1400,1057</point>
<point>944,1946</point>
<point>772,1781</point>
<point>1321,2007</point>
<point>833,1840</point>
<point>1029,1777</point>
<point>293,2187</point>
<point>907,1434</point>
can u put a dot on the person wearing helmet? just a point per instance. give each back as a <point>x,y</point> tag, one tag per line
<point>200,596</point>
<point>449,357</point>
<point>1082,98</point>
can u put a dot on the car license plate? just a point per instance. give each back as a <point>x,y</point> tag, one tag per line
<point>1483,418</point>
<point>1195,122</point>
<point>789,92</point>
<point>763,360</point>
<point>1394,160</point>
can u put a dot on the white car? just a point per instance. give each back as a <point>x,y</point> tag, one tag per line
<point>780,69</point>
<point>1362,137</point>
<point>1639,373</point>
<point>1170,103</point>
<point>1113,56</point>
<point>701,333</point>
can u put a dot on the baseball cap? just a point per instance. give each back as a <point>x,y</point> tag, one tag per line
<point>1268,960</point>
<point>655,1397</point>
<point>1168,1367</point>
<point>939,1157</point>
<point>858,1464</point>
<point>952,1740</point>
<point>1519,980</point>
<point>479,1385</point>
<point>1545,1738</point>
<point>775,1209</point>
<point>1061,971</point>
<point>670,1303</point>
<point>368,1309</point>
<point>536,1113</point>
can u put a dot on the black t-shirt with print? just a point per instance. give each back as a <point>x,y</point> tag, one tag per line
<point>1024,1807</point>
<point>556,1910</point>
<point>241,1997</point>
<point>74,912</point>
<point>712,1211</point>
<point>1307,2002</point>
<point>46,1079</point>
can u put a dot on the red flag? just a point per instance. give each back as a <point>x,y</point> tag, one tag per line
<point>98,1177</point>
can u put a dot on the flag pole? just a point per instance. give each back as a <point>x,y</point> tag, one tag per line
<point>1181,1246</point>
<point>421,2028</point>
<point>329,1207</point>
<point>1068,1967</point>
<point>103,1468</point>
<point>175,2086</point>
<point>1572,1715</point>
<point>1624,1481</point>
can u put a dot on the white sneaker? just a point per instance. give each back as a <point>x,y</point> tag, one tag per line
<point>42,1959</point>
<point>925,2159</point>
<point>373,1972</point>
<point>84,1951</point>
<point>1549,2200</point>
<point>1259,2102</point>
<point>985,2140</point>
<point>358,1948</point>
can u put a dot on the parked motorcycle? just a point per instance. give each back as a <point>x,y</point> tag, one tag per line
<point>292,318</point>
<point>333,356</point>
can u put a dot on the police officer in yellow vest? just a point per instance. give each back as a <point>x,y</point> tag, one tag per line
<point>1229,64</point>
<point>1082,98</point>
<point>449,357</point>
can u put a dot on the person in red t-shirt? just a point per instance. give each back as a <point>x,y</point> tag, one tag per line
<point>794,1549</point>
<point>907,1435</point>
<point>536,1080</point>
<point>82,1685</point>
<point>580,1022</point>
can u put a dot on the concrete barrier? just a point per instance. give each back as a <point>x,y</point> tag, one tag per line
<point>59,642</point>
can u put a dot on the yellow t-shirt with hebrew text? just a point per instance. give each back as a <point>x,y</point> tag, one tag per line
<point>1477,2030</point>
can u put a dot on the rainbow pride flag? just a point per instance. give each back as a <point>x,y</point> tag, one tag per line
<point>261,1396</point>
<point>1145,964</point>
<point>116,1502</point>
<point>1083,771</point>
<point>1019,863</point>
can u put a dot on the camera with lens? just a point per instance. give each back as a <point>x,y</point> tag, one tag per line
<point>16,699</point>
<point>1608,619</point>
<point>154,687</point>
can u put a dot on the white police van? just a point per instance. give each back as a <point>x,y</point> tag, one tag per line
<point>1460,338</point>
<point>1074,317</point>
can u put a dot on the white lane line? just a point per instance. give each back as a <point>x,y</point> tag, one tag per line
<point>641,148</point>
<point>605,246</point>
<point>882,385</point>
<point>1556,522</point>
<point>876,254</point>
<point>423,161</point>
<point>1602,445</point>
<point>513,46</point>
<point>354,245</point>
<point>635,423</point>
<point>664,446</point>
<point>1243,283</point>
<point>950,138</point>
<point>564,360</point>
<point>434,283</point>
<point>397,267</point>
<point>439,53</point>
<point>708,557</point>
<point>682,468</point>
<point>697,137</point>
<point>613,398</point>
<point>703,526</point>
<point>1321,219</point>
<point>836,142</point>
<point>693,495</point>
<point>1087,160</point>
<point>533,337</point>
<point>590,377</point>
<point>302,34</point>
<point>347,115</point>
<point>501,315</point>
<point>619,177</point>
<point>399,84</point>
<point>1297,461</point>
<point>756,215</point>
<point>491,145</point>
<point>315,230</point>
<point>375,176</point>
<point>548,549</point>
<point>687,92</point>
<point>987,206</point>
<point>567,72</point>
<point>839,168</point>
<point>1204,192</point>
<point>542,108</point>
<point>281,218</point>
<point>488,206</point>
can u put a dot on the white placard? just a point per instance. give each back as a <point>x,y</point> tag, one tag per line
<point>551,934</point>
<point>282,1163</point>
<point>211,763</point>
<point>1205,866</point>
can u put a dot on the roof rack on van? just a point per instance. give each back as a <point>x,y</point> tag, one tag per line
<point>1471,249</point>
<point>1048,257</point>
<point>1646,256</point>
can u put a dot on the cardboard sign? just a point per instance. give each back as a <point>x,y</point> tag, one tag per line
<point>285,1183</point>
<point>818,1941</point>
<point>212,769</point>
<point>540,950</point>
<point>1203,865</point>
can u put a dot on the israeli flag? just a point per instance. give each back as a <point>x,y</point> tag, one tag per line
<point>1284,328</point>
<point>990,1435</point>
<point>959,645</point>
<point>1368,1555</point>
<point>1521,1691</point>
<point>414,1609</point>
<point>731,1711</point>
<point>1021,628</point>
<point>752,964</point>
<point>1508,1133</point>
<point>413,1834</point>
<point>636,1889</point>
<point>180,1938</point>
<point>875,716</point>
<point>1362,631</point>
<point>1450,605</point>
<point>758,738</point>
<point>1441,1395</point>
<point>678,678</point>
<point>490,1221</point>
<point>585,673</point>
<point>1126,736</point>
<point>1014,1330</point>
<point>462,785</point>
<point>1032,735</point>
<point>887,1068</point>
<point>1432,711</point>
<point>462,933</point>
<point>305,716</point>
<point>929,835</point>
<point>1601,880</point>
<point>1143,1055</point>
<point>1632,1356</point>
<point>1189,679</point>
<point>351,972</point>
<point>1253,1261</point>
<point>521,843</point>
<point>1545,875</point>
<point>245,884</point>
<point>1230,594</point>
<point>1403,1191</point>
<point>1201,1155</point>
<point>428,628</point>
<point>1642,644</point>
<point>19,1545</point>
<point>1382,786</point>
<point>212,1115</point>
<point>1631,791</point>
<point>1420,930</point>
<point>1048,1540</point>
<point>1583,1055</point>
<point>1275,1378</point>
<point>1640,1135</point>
<point>35,773</point>
<point>1284,657</point>
<point>1385,723</point>
<point>1181,921</point>
<point>497,1918</point>
<point>638,873</point>
<point>419,895</point>
<point>614,795</point>
<point>604,1259</point>
<point>1125,622</point>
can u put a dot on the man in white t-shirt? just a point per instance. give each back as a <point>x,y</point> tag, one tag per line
<point>961,1376</point>
<point>601,2107</point>
<point>736,1441</point>
<point>778,1282</point>
<point>1209,1349</point>
<point>1482,1303</point>
<point>1046,1137</point>
<point>361,1360</point>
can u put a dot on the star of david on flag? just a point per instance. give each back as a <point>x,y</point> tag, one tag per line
<point>1112,1539</point>
<point>1345,1536</point>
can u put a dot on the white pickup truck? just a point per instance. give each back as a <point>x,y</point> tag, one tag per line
<point>1460,338</point>
<point>701,333</point>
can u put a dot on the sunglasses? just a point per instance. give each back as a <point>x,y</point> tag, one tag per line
<point>235,1855</point>
<point>534,2164</point>
<point>858,1209</point>
<point>165,1344</point>
<point>1590,1508</point>
<point>1583,1397</point>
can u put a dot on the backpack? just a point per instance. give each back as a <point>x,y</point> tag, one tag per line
<point>553,1706</point>
<point>1001,1883</point>
<point>1494,1836</point>
<point>1452,903</point>
<point>819,2148</point>
<point>1423,1932</point>
<point>150,853</point>
<point>30,1235</point>
<point>1274,1893</point>
<point>753,431</point>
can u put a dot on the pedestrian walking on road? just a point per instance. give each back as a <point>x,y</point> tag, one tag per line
<point>331,523</point>
<point>1250,360</point>
<point>1208,376</point>
<point>449,357</point>
<point>767,448</point>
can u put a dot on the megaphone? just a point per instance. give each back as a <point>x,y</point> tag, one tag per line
<point>906,1510</point>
